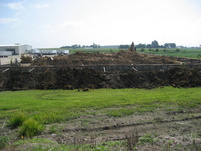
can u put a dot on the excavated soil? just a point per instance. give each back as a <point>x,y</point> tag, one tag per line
<point>119,58</point>
<point>67,78</point>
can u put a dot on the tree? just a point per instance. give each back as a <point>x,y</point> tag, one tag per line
<point>141,45</point>
<point>74,46</point>
<point>123,46</point>
<point>148,45</point>
<point>170,45</point>
<point>154,44</point>
<point>94,46</point>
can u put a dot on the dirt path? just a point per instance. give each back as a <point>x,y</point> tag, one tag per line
<point>179,128</point>
<point>168,128</point>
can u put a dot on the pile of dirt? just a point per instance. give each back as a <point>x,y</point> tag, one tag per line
<point>67,78</point>
<point>117,58</point>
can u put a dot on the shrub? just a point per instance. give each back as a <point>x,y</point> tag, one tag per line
<point>177,50</point>
<point>142,49</point>
<point>17,120</point>
<point>147,138</point>
<point>3,142</point>
<point>30,128</point>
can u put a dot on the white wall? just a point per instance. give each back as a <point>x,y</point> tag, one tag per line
<point>5,53</point>
<point>24,49</point>
<point>19,49</point>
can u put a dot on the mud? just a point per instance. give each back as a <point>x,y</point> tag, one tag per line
<point>67,78</point>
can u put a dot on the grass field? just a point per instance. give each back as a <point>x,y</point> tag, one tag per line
<point>183,52</point>
<point>49,106</point>
<point>64,111</point>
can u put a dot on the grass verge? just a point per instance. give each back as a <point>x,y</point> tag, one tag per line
<point>51,106</point>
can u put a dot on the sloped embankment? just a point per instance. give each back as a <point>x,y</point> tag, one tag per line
<point>67,78</point>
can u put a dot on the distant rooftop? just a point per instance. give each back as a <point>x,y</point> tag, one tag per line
<point>16,44</point>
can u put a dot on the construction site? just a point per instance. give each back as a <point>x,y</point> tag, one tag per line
<point>171,124</point>
<point>123,69</point>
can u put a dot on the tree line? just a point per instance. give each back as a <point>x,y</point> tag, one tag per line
<point>76,46</point>
<point>154,44</point>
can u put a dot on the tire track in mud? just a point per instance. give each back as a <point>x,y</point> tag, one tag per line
<point>113,127</point>
<point>117,132</point>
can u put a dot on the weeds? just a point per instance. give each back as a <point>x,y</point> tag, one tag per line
<point>132,138</point>
<point>147,138</point>
<point>30,128</point>
<point>17,120</point>
<point>3,141</point>
<point>54,129</point>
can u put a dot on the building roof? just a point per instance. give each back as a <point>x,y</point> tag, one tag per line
<point>12,45</point>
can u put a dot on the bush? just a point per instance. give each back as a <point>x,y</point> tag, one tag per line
<point>147,138</point>
<point>177,50</point>
<point>3,142</point>
<point>142,49</point>
<point>30,128</point>
<point>17,120</point>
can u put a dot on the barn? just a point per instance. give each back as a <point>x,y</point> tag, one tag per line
<point>16,49</point>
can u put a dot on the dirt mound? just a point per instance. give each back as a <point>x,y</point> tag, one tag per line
<point>121,57</point>
<point>67,78</point>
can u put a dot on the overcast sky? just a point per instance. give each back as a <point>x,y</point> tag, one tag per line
<point>55,23</point>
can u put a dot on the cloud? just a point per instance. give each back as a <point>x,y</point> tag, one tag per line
<point>70,23</point>
<point>18,14</point>
<point>61,26</point>
<point>42,5</point>
<point>16,5</point>
<point>198,21</point>
<point>8,20</point>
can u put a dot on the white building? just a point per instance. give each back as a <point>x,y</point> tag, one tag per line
<point>17,49</point>
<point>62,51</point>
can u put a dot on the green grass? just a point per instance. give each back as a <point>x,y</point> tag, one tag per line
<point>183,52</point>
<point>39,144</point>
<point>50,106</point>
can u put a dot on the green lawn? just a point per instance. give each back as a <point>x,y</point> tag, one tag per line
<point>49,106</point>
<point>183,52</point>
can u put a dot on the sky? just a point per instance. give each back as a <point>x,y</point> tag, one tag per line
<point>56,23</point>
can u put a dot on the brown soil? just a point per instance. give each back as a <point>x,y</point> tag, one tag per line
<point>119,58</point>
<point>67,78</point>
